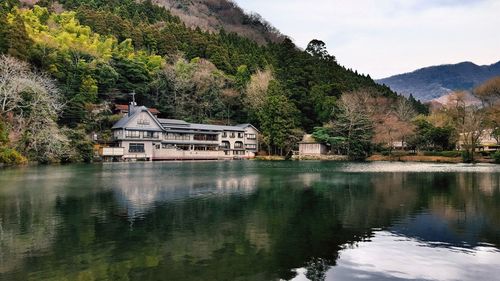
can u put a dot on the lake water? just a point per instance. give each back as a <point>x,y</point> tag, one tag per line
<point>250,220</point>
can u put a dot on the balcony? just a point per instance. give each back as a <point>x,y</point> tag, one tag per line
<point>111,151</point>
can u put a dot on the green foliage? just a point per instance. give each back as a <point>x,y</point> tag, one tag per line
<point>4,133</point>
<point>10,156</point>
<point>427,136</point>
<point>496,157</point>
<point>467,156</point>
<point>277,117</point>
<point>327,135</point>
<point>318,49</point>
<point>16,40</point>
<point>419,107</point>
<point>85,63</point>
<point>82,145</point>
<point>452,153</point>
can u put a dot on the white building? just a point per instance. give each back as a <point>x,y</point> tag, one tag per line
<point>487,141</point>
<point>140,135</point>
<point>310,147</point>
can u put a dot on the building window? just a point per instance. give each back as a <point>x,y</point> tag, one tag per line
<point>232,135</point>
<point>167,146</point>
<point>205,147</point>
<point>175,136</point>
<point>238,144</point>
<point>133,134</point>
<point>251,136</point>
<point>143,122</point>
<point>224,134</point>
<point>136,148</point>
<point>202,137</point>
<point>239,152</point>
<point>240,135</point>
<point>251,146</point>
<point>151,135</point>
<point>226,145</point>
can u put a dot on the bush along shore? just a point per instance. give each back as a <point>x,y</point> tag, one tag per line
<point>437,157</point>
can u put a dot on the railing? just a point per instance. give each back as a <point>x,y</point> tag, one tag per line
<point>111,151</point>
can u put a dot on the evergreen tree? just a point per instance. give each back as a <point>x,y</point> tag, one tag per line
<point>277,118</point>
<point>17,40</point>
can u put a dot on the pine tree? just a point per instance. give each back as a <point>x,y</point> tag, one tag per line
<point>18,41</point>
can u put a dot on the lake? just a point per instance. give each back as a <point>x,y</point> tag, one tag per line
<point>250,220</point>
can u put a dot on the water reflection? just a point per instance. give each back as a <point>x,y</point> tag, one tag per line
<point>249,221</point>
<point>387,256</point>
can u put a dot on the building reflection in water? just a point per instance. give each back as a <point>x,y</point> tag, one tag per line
<point>139,194</point>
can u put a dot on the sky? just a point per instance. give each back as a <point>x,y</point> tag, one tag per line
<point>388,37</point>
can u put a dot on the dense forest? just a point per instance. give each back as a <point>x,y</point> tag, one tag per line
<point>84,56</point>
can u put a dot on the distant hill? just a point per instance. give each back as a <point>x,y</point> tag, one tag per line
<point>436,81</point>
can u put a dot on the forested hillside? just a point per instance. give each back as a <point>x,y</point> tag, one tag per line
<point>97,52</point>
<point>214,15</point>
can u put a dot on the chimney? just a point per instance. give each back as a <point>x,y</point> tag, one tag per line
<point>131,108</point>
<point>132,105</point>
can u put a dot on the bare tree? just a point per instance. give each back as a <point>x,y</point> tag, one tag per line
<point>33,102</point>
<point>353,123</point>
<point>24,91</point>
<point>391,130</point>
<point>256,92</point>
<point>471,127</point>
<point>489,92</point>
<point>404,110</point>
<point>469,120</point>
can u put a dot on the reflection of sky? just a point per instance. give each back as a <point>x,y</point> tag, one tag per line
<point>388,256</point>
<point>435,229</point>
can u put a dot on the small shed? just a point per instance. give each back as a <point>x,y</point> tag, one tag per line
<point>310,147</point>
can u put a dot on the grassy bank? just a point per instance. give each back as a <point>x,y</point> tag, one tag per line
<point>425,158</point>
<point>270,158</point>
<point>322,157</point>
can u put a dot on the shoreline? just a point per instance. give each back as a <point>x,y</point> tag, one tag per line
<point>425,159</point>
<point>329,158</point>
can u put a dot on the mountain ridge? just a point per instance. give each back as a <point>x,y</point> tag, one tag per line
<point>433,82</point>
<point>214,15</point>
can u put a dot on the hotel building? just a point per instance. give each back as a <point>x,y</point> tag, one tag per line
<point>140,135</point>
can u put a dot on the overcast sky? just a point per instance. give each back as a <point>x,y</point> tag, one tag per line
<point>387,37</point>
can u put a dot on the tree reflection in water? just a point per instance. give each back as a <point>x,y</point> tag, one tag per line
<point>239,220</point>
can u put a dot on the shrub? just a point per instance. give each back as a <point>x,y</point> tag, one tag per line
<point>496,156</point>
<point>453,153</point>
<point>11,157</point>
<point>431,153</point>
<point>486,153</point>
<point>466,156</point>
